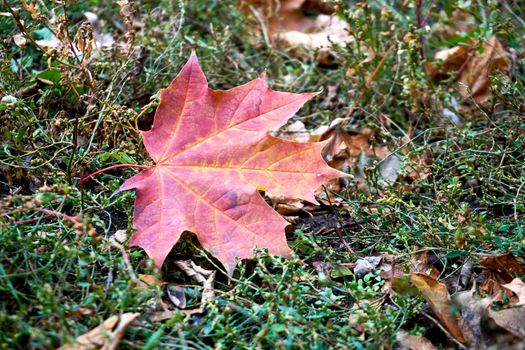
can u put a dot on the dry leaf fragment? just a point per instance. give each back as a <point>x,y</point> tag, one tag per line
<point>289,23</point>
<point>512,320</point>
<point>517,286</point>
<point>107,336</point>
<point>177,295</point>
<point>20,40</point>
<point>474,68</point>
<point>205,278</point>
<point>413,342</point>
<point>476,315</point>
<point>366,265</point>
<point>438,298</point>
<point>147,281</point>
<point>420,264</point>
<point>475,78</point>
<point>504,265</point>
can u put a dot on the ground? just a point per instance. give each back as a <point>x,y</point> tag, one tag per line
<point>457,129</point>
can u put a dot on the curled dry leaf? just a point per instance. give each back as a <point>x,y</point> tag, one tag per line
<point>289,23</point>
<point>107,336</point>
<point>505,265</point>
<point>459,23</point>
<point>517,287</point>
<point>147,281</point>
<point>473,67</point>
<point>499,269</point>
<point>177,295</point>
<point>438,298</point>
<point>212,154</point>
<point>19,40</point>
<point>205,278</point>
<point>421,264</point>
<point>473,322</point>
<point>477,314</point>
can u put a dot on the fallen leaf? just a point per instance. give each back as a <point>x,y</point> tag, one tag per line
<point>177,296</point>
<point>80,312</point>
<point>517,287</point>
<point>473,68</point>
<point>420,263</point>
<point>457,24</point>
<point>512,320</point>
<point>19,40</point>
<point>290,23</point>
<point>472,314</point>
<point>107,336</point>
<point>477,316</point>
<point>212,153</point>
<point>366,265</point>
<point>147,281</point>
<point>413,342</point>
<point>505,265</point>
<point>465,274</point>
<point>438,298</point>
<point>119,236</point>
<point>205,278</point>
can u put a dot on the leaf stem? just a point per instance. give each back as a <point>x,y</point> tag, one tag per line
<point>111,168</point>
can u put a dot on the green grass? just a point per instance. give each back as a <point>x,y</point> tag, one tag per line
<point>58,281</point>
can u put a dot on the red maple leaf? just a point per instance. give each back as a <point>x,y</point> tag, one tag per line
<point>212,152</point>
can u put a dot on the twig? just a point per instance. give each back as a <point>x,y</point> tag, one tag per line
<point>49,212</point>
<point>111,168</point>
<point>419,4</point>
<point>21,222</point>
<point>127,264</point>
<point>421,23</point>
<point>457,342</point>
<point>369,81</point>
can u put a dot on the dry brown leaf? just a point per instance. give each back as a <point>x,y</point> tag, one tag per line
<point>512,320</point>
<point>413,342</point>
<point>205,278</point>
<point>420,264</point>
<point>505,265</point>
<point>475,321</point>
<point>286,23</point>
<point>491,285</point>
<point>287,206</point>
<point>438,298</point>
<point>177,295</point>
<point>517,286</point>
<point>473,68</point>
<point>168,314</point>
<point>107,336</point>
<point>475,78</point>
<point>147,281</point>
